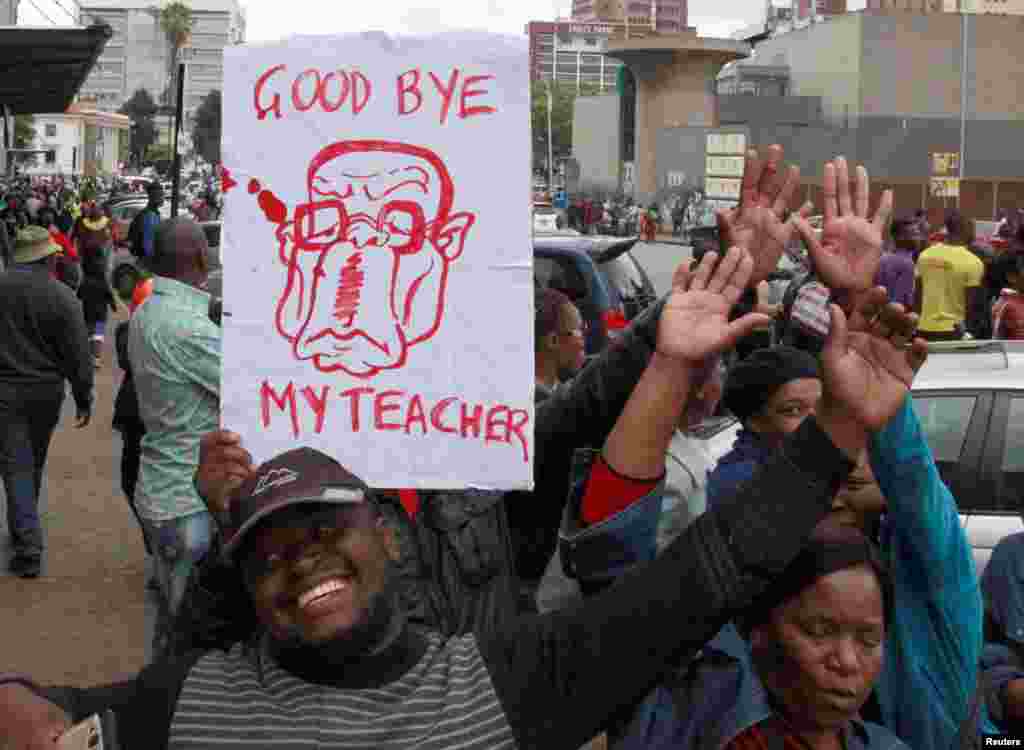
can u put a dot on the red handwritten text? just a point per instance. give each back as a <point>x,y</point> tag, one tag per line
<point>411,95</point>
<point>393,411</point>
<point>310,89</point>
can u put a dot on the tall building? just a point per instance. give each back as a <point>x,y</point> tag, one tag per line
<point>997,7</point>
<point>669,16</point>
<point>138,55</point>
<point>572,53</point>
<point>9,12</point>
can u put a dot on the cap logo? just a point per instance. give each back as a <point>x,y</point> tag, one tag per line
<point>343,494</point>
<point>274,478</point>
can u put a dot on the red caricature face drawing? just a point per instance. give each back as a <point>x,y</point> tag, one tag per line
<point>367,256</point>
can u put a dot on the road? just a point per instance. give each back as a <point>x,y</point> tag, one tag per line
<point>84,621</point>
<point>660,260</point>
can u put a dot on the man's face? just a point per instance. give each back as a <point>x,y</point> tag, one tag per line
<point>787,408</point>
<point>372,246</point>
<point>571,340</point>
<point>820,652</point>
<point>318,578</point>
<point>859,500</point>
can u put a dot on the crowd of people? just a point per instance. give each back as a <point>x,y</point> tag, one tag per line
<point>814,589</point>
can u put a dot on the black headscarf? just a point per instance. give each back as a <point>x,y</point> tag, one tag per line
<point>752,381</point>
<point>831,548</point>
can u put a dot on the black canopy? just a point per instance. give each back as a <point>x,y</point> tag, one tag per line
<point>42,69</point>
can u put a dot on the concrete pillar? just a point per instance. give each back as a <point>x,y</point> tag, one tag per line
<point>675,87</point>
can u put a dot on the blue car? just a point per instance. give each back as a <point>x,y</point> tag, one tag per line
<point>600,275</point>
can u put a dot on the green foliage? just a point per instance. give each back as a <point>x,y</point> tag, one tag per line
<point>563,100</point>
<point>24,131</point>
<point>159,152</point>
<point>142,109</point>
<point>206,127</point>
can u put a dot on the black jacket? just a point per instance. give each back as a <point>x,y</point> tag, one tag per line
<point>458,559</point>
<point>43,340</point>
<point>560,677</point>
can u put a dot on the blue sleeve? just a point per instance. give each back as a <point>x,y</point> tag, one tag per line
<point>922,514</point>
<point>725,479</point>
<point>930,558</point>
<point>597,555</point>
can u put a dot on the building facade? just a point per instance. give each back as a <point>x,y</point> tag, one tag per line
<point>138,56</point>
<point>82,141</point>
<point>998,7</point>
<point>573,54</point>
<point>663,16</point>
<point>9,12</point>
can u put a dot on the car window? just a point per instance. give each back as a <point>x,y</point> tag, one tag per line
<point>562,274</point>
<point>626,278</point>
<point>945,420</point>
<point>1010,487</point>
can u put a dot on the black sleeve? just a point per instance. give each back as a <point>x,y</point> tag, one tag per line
<point>143,707</point>
<point>77,363</point>
<point>583,413</point>
<point>562,676</point>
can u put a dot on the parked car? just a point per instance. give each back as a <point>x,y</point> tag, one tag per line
<point>600,275</point>
<point>969,397</point>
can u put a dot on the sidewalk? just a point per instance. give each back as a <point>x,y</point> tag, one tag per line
<point>84,620</point>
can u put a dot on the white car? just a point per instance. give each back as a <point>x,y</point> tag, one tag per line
<point>969,397</point>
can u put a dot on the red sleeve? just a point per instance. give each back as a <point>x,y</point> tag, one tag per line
<point>608,492</point>
<point>1013,322</point>
<point>61,239</point>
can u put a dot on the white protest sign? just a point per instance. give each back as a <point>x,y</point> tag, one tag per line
<point>378,292</point>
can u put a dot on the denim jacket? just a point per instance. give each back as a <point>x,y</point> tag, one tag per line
<point>934,641</point>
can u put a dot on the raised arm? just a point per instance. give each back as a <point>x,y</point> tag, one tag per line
<point>551,672</point>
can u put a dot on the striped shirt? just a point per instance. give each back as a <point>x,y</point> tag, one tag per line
<point>243,699</point>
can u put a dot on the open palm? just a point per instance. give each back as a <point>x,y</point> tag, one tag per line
<point>847,255</point>
<point>756,225</point>
<point>695,322</point>
<point>870,371</point>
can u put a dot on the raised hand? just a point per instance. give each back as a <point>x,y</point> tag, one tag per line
<point>870,364</point>
<point>756,225</point>
<point>850,249</point>
<point>223,466</point>
<point>695,322</point>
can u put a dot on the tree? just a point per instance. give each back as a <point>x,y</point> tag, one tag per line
<point>141,108</point>
<point>24,131</point>
<point>176,20</point>
<point>206,127</point>
<point>563,100</point>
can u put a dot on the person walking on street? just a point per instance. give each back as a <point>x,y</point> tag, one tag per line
<point>950,287</point>
<point>174,350</point>
<point>94,249</point>
<point>142,231</point>
<point>43,342</point>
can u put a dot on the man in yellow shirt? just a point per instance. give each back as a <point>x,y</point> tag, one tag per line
<point>949,278</point>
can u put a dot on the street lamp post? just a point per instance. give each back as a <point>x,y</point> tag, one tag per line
<point>551,149</point>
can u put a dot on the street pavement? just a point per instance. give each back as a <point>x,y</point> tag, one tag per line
<point>85,620</point>
<point>660,260</point>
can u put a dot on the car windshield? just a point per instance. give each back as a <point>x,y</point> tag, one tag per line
<point>629,282</point>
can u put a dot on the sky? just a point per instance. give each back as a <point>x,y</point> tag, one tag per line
<point>273,19</point>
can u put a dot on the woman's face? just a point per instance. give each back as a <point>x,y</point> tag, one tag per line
<point>787,408</point>
<point>820,652</point>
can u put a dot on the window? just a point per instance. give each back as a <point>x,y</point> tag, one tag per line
<point>945,420</point>
<point>1010,488</point>
<point>626,278</point>
<point>51,156</point>
<point>51,130</point>
<point>561,274</point>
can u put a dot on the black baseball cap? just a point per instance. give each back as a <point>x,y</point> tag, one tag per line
<point>302,476</point>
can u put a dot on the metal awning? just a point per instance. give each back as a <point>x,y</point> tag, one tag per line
<point>42,69</point>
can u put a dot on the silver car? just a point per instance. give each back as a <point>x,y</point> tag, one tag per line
<point>969,397</point>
